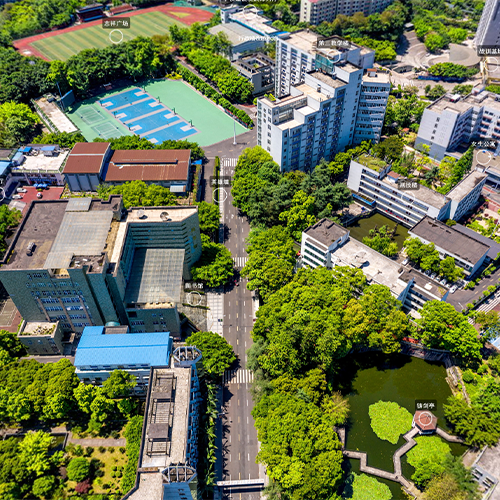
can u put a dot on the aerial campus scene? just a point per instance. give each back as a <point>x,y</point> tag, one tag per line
<point>250,250</point>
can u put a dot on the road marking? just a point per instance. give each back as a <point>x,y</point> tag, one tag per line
<point>249,457</point>
<point>244,303</point>
<point>239,457</point>
<point>238,419</point>
<point>239,262</point>
<point>230,303</point>
<point>247,402</point>
<point>236,327</point>
<point>236,303</point>
<point>239,376</point>
<point>247,420</point>
<point>237,342</point>
<point>238,402</point>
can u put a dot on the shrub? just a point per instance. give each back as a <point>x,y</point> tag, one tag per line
<point>111,449</point>
<point>122,449</point>
<point>482,369</point>
<point>78,469</point>
<point>78,451</point>
<point>468,376</point>
<point>83,487</point>
<point>88,451</point>
<point>102,449</point>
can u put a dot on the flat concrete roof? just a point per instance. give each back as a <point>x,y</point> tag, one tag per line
<point>485,159</point>
<point>332,82</point>
<point>464,187</point>
<point>254,20</point>
<point>379,77</point>
<point>236,33</point>
<point>41,162</point>
<point>464,104</point>
<point>326,232</point>
<point>40,226</point>
<point>432,289</point>
<point>424,194</point>
<point>376,267</point>
<point>450,240</point>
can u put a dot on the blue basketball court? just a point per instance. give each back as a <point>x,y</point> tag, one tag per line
<point>146,116</point>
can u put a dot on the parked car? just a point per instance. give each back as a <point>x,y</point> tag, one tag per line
<point>39,195</point>
<point>21,190</point>
<point>443,281</point>
<point>433,275</point>
<point>453,289</point>
<point>406,261</point>
<point>428,272</point>
<point>17,197</point>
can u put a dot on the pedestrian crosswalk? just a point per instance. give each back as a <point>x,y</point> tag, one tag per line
<point>239,262</point>
<point>489,304</point>
<point>229,162</point>
<point>239,376</point>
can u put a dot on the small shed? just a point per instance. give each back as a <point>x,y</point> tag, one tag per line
<point>50,150</point>
<point>425,421</point>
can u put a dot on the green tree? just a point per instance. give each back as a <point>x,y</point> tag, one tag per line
<point>8,219</point>
<point>390,149</point>
<point>215,265</point>
<point>209,216</point>
<point>17,123</point>
<point>34,452</point>
<point>232,84</point>
<point>443,327</point>
<point>78,469</point>
<point>57,407</point>
<point>271,260</point>
<point>428,458</point>
<point>457,35</point>
<point>63,139</point>
<point>218,355</point>
<point>381,241</point>
<point>43,487</point>
<point>84,396</point>
<point>11,344</point>
<point>434,92</point>
<point>300,215</point>
<point>102,407</point>
<point>119,384</point>
<point>450,270</point>
<point>434,42</point>
<point>444,487</point>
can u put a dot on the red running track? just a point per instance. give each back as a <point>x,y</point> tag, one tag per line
<point>23,45</point>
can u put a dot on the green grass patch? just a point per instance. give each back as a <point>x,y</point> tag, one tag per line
<point>428,449</point>
<point>65,45</point>
<point>364,487</point>
<point>389,420</point>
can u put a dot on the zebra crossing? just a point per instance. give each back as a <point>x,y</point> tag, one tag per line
<point>239,262</point>
<point>240,376</point>
<point>489,304</point>
<point>229,162</point>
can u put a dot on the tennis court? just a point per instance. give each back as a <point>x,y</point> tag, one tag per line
<point>65,45</point>
<point>146,116</point>
<point>158,110</point>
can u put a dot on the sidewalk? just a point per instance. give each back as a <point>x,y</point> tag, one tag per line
<point>215,316</point>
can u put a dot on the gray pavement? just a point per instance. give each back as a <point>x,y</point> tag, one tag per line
<point>237,429</point>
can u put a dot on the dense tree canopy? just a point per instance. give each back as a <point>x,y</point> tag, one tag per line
<point>209,216</point>
<point>271,260</point>
<point>315,319</point>
<point>139,194</point>
<point>119,384</point>
<point>443,327</point>
<point>215,265</point>
<point>63,139</point>
<point>17,123</point>
<point>218,355</point>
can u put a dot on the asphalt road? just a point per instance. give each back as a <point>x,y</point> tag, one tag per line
<point>239,439</point>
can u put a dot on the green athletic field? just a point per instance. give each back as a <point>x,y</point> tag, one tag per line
<point>64,46</point>
<point>212,123</point>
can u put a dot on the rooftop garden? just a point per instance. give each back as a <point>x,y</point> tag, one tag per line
<point>371,162</point>
<point>40,330</point>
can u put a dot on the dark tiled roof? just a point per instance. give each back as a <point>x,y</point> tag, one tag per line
<point>325,231</point>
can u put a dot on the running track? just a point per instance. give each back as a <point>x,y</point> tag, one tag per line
<point>23,45</point>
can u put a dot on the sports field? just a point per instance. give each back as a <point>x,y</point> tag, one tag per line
<point>65,45</point>
<point>158,110</point>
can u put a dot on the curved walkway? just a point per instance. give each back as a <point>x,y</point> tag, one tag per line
<point>397,475</point>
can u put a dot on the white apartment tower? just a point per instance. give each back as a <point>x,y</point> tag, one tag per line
<point>330,100</point>
<point>317,11</point>
<point>452,120</point>
<point>488,30</point>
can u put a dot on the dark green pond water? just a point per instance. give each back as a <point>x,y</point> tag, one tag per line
<point>370,377</point>
<point>362,227</point>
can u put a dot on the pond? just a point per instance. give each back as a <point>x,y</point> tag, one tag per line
<point>370,377</point>
<point>361,227</point>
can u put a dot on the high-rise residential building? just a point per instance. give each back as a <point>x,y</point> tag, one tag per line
<point>330,100</point>
<point>87,262</point>
<point>317,11</point>
<point>488,30</point>
<point>452,120</point>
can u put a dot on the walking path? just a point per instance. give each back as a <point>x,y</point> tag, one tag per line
<point>397,475</point>
<point>96,442</point>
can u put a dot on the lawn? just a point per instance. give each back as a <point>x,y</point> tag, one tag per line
<point>65,45</point>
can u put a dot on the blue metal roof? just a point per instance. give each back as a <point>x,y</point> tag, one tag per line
<point>97,349</point>
<point>4,165</point>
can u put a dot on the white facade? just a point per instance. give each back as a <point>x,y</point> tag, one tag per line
<point>450,121</point>
<point>465,195</point>
<point>297,54</point>
<point>408,207</point>
<point>488,30</point>
<point>317,11</point>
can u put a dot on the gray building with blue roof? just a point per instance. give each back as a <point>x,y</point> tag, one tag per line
<point>103,349</point>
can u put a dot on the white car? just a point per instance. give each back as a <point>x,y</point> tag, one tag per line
<point>21,190</point>
<point>453,289</point>
<point>405,262</point>
<point>17,197</point>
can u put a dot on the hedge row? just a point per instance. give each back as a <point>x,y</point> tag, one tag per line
<point>212,94</point>
<point>133,433</point>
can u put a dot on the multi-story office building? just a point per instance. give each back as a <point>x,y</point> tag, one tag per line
<point>168,456</point>
<point>103,349</point>
<point>317,11</point>
<point>251,18</point>
<point>258,69</point>
<point>452,120</point>
<point>373,179</point>
<point>469,253</point>
<point>87,262</point>
<point>488,30</point>
<point>42,338</point>
<point>327,102</point>
<point>303,51</point>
